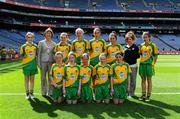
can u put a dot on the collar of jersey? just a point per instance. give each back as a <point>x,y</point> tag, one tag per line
<point>85,66</point>
<point>70,65</point>
<point>113,45</point>
<point>148,43</point>
<point>119,63</point>
<point>29,44</point>
<point>62,45</point>
<point>58,65</point>
<point>97,40</point>
<point>101,64</point>
<point>80,40</point>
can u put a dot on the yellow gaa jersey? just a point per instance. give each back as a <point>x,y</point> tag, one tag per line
<point>97,47</point>
<point>86,75</point>
<point>65,49</point>
<point>28,53</point>
<point>147,53</point>
<point>111,51</point>
<point>101,73</point>
<point>120,72</point>
<point>80,47</point>
<point>57,73</point>
<point>71,75</point>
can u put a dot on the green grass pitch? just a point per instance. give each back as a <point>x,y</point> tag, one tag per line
<point>164,104</point>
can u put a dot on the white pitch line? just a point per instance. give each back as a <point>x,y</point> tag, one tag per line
<point>15,94</point>
<point>165,93</point>
<point>19,94</point>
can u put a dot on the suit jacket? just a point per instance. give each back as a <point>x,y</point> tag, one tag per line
<point>45,51</point>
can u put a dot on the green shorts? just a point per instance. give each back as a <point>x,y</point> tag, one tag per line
<point>71,93</point>
<point>56,93</point>
<point>102,92</point>
<point>120,90</point>
<point>86,94</point>
<point>146,70</point>
<point>29,72</point>
<point>78,60</point>
<point>94,61</point>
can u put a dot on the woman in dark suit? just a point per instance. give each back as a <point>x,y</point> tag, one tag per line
<point>131,54</point>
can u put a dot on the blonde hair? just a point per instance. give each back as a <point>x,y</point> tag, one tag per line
<point>113,33</point>
<point>29,33</point>
<point>97,29</point>
<point>146,33</point>
<point>131,35</point>
<point>102,54</point>
<point>58,54</point>
<point>63,33</point>
<point>79,29</point>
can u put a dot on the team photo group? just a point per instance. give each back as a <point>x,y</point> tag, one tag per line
<point>88,70</point>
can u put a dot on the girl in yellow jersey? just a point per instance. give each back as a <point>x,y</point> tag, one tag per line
<point>112,48</point>
<point>120,80</point>
<point>57,75</point>
<point>97,46</point>
<point>86,79</point>
<point>148,57</point>
<point>63,46</point>
<point>28,51</point>
<point>72,88</point>
<point>80,45</point>
<point>101,73</point>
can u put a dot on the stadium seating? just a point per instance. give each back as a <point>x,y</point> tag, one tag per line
<point>13,39</point>
<point>173,5</point>
<point>134,5</point>
<point>173,40</point>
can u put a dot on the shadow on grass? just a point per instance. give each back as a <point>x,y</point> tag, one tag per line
<point>131,109</point>
<point>10,70</point>
<point>157,103</point>
<point>43,107</point>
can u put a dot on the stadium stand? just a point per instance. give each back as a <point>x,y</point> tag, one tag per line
<point>132,15</point>
<point>109,4</point>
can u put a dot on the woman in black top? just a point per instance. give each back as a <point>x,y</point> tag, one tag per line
<point>131,54</point>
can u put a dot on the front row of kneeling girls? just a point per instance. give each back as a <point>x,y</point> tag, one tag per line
<point>85,83</point>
